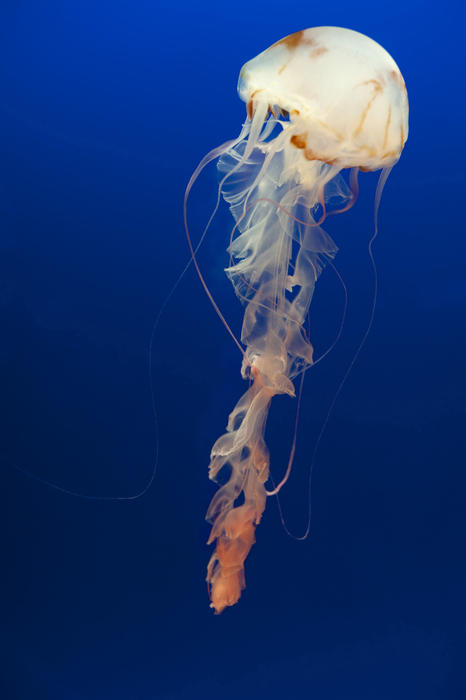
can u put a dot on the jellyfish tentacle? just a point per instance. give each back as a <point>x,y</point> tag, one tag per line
<point>275,262</point>
<point>233,526</point>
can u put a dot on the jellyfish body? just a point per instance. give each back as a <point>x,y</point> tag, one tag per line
<point>317,102</point>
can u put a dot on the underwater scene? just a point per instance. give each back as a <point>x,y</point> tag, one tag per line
<point>233,301</point>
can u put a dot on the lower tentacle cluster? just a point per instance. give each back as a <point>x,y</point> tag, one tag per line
<point>243,449</point>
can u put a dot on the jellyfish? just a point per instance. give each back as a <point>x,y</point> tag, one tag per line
<point>321,104</point>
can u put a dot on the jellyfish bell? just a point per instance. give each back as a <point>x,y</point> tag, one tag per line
<point>318,102</point>
<point>345,96</point>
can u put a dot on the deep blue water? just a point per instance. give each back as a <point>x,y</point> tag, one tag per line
<point>106,108</point>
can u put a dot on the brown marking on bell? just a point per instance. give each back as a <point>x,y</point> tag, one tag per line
<point>377,90</point>
<point>390,154</point>
<point>338,135</point>
<point>295,112</point>
<point>398,78</point>
<point>310,155</point>
<point>376,83</point>
<point>250,109</point>
<point>298,140</point>
<point>387,125</point>
<point>292,41</point>
<point>402,135</point>
<point>318,52</point>
<point>280,71</point>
